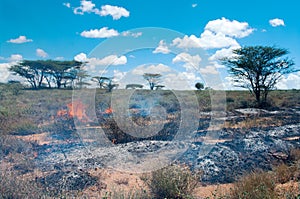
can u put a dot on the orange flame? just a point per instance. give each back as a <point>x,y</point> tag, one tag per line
<point>75,109</point>
<point>108,111</point>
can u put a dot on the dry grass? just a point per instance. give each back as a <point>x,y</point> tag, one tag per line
<point>175,181</point>
<point>256,185</point>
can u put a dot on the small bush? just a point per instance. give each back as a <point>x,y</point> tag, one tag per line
<point>131,194</point>
<point>256,185</point>
<point>295,155</point>
<point>284,173</point>
<point>175,181</point>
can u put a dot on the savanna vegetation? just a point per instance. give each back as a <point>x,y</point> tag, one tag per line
<point>29,113</point>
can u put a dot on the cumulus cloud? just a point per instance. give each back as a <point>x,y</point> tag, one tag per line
<point>115,11</point>
<point>207,40</point>
<point>180,81</point>
<point>191,62</point>
<point>15,57</point>
<point>209,70</point>
<point>41,53</point>
<point>21,39</point>
<point>162,48</point>
<point>89,7</point>
<point>194,5</point>
<point>276,22</point>
<point>160,68</point>
<point>218,33</point>
<point>85,6</point>
<point>290,81</point>
<point>118,75</point>
<point>224,52</point>
<point>229,28</point>
<point>100,33</point>
<point>68,5</point>
<point>5,74</point>
<point>93,62</point>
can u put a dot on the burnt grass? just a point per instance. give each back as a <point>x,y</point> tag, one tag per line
<point>33,112</point>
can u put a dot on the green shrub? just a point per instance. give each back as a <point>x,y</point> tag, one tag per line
<point>175,181</point>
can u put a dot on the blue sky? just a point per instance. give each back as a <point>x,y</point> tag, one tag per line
<point>75,29</point>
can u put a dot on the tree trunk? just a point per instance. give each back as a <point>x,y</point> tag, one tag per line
<point>151,86</point>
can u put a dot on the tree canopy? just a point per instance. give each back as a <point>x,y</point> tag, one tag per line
<point>199,86</point>
<point>259,68</point>
<point>152,78</point>
<point>38,71</point>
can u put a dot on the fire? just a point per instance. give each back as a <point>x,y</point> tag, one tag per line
<point>75,109</point>
<point>108,111</point>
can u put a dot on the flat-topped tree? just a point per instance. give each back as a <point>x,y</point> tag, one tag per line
<point>38,71</point>
<point>259,68</point>
<point>105,82</point>
<point>152,78</point>
<point>134,86</point>
<point>33,71</point>
<point>60,68</point>
<point>102,81</point>
<point>159,87</point>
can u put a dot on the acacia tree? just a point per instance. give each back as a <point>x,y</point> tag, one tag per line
<point>33,71</point>
<point>258,68</point>
<point>60,69</point>
<point>101,81</point>
<point>199,86</point>
<point>152,78</point>
<point>105,82</point>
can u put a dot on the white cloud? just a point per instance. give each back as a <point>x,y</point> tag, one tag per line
<point>15,57</point>
<point>89,7</point>
<point>41,53</point>
<point>162,48</point>
<point>100,33</point>
<point>132,34</point>
<point>81,57</point>
<point>194,5</point>
<point>207,40</point>
<point>209,70</point>
<point>20,40</point>
<point>289,81</point>
<point>218,33</point>
<point>115,11</point>
<point>119,75</point>
<point>4,72</point>
<point>93,62</point>
<point>191,62</point>
<point>229,28</point>
<point>85,6</point>
<point>180,81</point>
<point>276,22</point>
<point>68,5</point>
<point>160,68</point>
<point>224,52</point>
